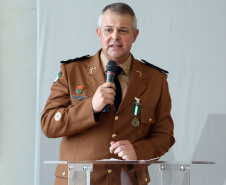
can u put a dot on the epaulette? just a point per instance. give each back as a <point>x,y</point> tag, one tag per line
<point>151,65</point>
<point>74,59</point>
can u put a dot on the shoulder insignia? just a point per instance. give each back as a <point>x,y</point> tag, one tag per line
<point>74,59</point>
<point>151,65</point>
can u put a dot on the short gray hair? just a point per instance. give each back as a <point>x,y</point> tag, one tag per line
<point>121,9</point>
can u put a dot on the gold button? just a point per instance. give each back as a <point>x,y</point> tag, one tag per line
<point>146,180</point>
<point>63,173</point>
<point>113,136</point>
<point>110,170</point>
<point>111,152</point>
<point>116,118</point>
<point>150,120</point>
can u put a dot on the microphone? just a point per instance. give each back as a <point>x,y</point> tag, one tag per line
<point>111,70</point>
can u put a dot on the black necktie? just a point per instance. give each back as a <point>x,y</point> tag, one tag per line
<point>118,96</point>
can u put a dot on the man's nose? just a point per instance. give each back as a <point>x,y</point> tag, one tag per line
<point>115,35</point>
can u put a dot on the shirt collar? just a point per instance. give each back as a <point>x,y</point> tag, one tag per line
<point>126,65</point>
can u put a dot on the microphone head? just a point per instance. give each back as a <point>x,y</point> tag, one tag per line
<point>112,66</point>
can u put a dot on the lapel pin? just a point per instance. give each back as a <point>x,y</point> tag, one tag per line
<point>140,73</point>
<point>91,70</point>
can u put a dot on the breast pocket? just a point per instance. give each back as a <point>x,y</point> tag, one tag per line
<point>147,118</point>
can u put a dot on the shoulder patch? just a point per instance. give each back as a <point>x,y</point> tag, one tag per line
<point>74,59</point>
<point>151,65</point>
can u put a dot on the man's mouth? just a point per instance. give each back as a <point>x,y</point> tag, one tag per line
<point>115,45</point>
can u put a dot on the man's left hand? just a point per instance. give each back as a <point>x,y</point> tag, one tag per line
<point>124,149</point>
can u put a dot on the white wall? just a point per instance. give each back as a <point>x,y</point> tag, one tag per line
<point>17,91</point>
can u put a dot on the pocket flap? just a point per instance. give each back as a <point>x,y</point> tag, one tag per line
<point>62,171</point>
<point>147,116</point>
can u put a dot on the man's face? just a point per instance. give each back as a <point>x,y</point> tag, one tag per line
<point>116,36</point>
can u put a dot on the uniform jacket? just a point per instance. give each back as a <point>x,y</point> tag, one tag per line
<point>84,138</point>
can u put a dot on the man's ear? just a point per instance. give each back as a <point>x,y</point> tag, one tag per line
<point>98,33</point>
<point>135,35</point>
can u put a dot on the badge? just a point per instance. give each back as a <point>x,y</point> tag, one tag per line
<point>57,116</point>
<point>135,122</point>
<point>79,98</point>
<point>59,74</point>
<point>79,89</point>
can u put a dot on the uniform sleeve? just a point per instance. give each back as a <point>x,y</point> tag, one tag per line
<point>62,118</point>
<point>160,138</point>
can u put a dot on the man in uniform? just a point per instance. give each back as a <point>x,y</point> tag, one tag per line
<point>139,128</point>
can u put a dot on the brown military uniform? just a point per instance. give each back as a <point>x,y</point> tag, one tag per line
<point>68,114</point>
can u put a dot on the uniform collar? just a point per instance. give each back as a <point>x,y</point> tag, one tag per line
<point>126,65</point>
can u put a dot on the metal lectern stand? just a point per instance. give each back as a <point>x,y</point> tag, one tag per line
<point>172,173</point>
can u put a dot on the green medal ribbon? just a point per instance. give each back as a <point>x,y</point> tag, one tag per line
<point>136,108</point>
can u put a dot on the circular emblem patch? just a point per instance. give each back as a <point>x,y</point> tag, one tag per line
<point>57,116</point>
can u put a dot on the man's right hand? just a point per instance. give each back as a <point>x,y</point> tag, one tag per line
<point>105,94</point>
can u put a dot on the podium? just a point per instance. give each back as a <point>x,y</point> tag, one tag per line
<point>121,172</point>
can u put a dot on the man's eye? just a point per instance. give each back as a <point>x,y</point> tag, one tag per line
<point>108,30</point>
<point>123,31</point>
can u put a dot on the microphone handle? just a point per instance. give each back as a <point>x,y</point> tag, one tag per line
<point>106,108</point>
<point>109,78</point>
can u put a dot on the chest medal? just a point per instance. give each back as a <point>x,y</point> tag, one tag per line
<point>136,111</point>
<point>135,122</point>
